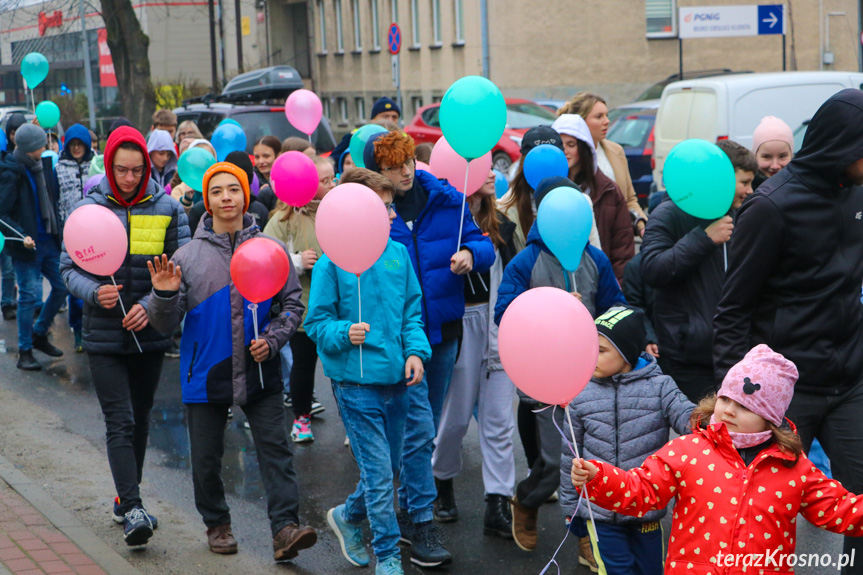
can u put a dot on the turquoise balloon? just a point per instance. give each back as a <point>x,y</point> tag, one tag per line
<point>53,155</point>
<point>473,116</point>
<point>229,121</point>
<point>34,68</point>
<point>564,220</point>
<point>48,114</point>
<point>358,142</point>
<point>2,242</point>
<point>192,165</point>
<point>700,179</point>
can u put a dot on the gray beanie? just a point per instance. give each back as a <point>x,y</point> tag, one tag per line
<point>30,138</point>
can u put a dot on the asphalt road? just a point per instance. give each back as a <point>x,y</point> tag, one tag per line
<point>53,430</point>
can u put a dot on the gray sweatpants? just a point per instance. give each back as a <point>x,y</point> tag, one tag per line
<point>491,392</point>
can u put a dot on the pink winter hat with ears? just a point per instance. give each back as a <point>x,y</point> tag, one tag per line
<point>772,128</point>
<point>763,382</point>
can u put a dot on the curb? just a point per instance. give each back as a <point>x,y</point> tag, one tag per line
<point>99,551</point>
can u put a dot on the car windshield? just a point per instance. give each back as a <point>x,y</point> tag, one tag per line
<point>526,115</point>
<point>630,131</point>
<point>799,134</point>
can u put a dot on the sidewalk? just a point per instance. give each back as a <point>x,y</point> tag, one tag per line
<point>38,536</point>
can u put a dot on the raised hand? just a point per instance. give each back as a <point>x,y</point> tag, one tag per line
<point>164,275</point>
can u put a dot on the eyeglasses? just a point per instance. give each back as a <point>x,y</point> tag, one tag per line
<point>391,209</point>
<point>122,171</point>
<point>398,169</point>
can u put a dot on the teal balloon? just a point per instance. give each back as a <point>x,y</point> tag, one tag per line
<point>34,68</point>
<point>229,121</point>
<point>358,142</point>
<point>97,166</point>
<point>48,114</point>
<point>700,179</point>
<point>564,220</point>
<point>473,116</point>
<point>2,242</point>
<point>192,165</point>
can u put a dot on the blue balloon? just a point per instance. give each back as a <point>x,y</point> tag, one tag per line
<point>3,143</point>
<point>53,155</point>
<point>564,220</point>
<point>230,121</point>
<point>500,184</point>
<point>228,138</point>
<point>544,161</point>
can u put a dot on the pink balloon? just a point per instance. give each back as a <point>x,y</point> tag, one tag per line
<point>548,345</point>
<point>424,167</point>
<point>304,110</point>
<point>294,178</point>
<point>353,227</point>
<point>446,164</point>
<point>96,240</point>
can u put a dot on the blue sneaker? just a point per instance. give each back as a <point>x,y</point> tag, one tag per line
<point>391,566</point>
<point>350,537</point>
<point>137,528</point>
<point>118,517</point>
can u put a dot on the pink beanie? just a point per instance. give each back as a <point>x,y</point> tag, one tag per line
<point>763,382</point>
<point>772,128</point>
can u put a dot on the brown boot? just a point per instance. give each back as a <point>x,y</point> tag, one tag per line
<point>523,525</point>
<point>585,554</point>
<point>221,540</point>
<point>291,539</point>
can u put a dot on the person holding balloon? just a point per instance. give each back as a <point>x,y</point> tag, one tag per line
<point>72,172</point>
<point>683,259</point>
<point>223,361</point>
<point>371,363</point>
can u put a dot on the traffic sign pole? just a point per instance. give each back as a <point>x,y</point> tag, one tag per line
<point>394,39</point>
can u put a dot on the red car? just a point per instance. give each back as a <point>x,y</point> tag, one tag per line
<point>521,115</point>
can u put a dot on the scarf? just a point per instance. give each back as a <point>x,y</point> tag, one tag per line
<point>45,203</point>
<point>744,440</point>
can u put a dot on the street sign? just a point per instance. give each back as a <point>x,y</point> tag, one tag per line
<point>725,21</point>
<point>395,67</point>
<point>394,38</point>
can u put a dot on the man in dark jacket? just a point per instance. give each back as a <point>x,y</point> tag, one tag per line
<point>29,200</point>
<point>125,379</point>
<point>793,283</point>
<point>683,258</point>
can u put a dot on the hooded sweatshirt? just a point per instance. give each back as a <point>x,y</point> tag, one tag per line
<point>160,141</point>
<point>16,120</point>
<point>72,173</point>
<point>795,270</point>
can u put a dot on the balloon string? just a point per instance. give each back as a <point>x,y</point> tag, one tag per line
<point>725,255</point>
<point>575,448</point>
<point>254,308</point>
<point>122,307</point>
<point>19,234</point>
<point>470,283</point>
<point>360,299</point>
<point>463,202</point>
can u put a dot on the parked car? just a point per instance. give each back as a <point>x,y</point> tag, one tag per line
<point>553,105</point>
<point>632,128</point>
<point>255,100</point>
<point>799,134</point>
<point>655,91</point>
<point>731,107</point>
<point>521,115</point>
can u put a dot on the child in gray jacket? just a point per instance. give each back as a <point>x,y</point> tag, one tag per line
<point>622,416</point>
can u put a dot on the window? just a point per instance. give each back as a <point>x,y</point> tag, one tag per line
<point>358,43</point>
<point>326,103</point>
<point>417,103</point>
<point>436,22</point>
<point>343,110</point>
<point>360,105</point>
<point>432,117</point>
<point>376,30</point>
<point>340,39</point>
<point>661,18</point>
<point>323,24</point>
<point>458,8</point>
<point>415,22</point>
<point>394,10</point>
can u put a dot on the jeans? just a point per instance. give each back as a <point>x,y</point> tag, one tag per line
<point>7,291</point>
<point>30,292</point>
<point>835,421</point>
<point>125,386</point>
<point>374,417</point>
<point>417,490</point>
<point>266,417</point>
<point>627,549</point>
<point>287,359</point>
<point>439,374</point>
<point>76,313</point>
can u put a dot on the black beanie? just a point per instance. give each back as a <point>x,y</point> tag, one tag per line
<point>624,328</point>
<point>242,161</point>
<point>550,183</point>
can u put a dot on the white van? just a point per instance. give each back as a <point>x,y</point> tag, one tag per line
<point>730,107</point>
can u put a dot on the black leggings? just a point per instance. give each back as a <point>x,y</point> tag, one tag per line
<point>303,373</point>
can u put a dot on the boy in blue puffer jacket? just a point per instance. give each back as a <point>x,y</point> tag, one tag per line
<point>622,417</point>
<point>373,405</point>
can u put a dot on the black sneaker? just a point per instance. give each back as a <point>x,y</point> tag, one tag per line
<point>174,352</point>
<point>137,527</point>
<point>289,403</point>
<point>9,312</point>
<point>317,407</point>
<point>41,343</point>
<point>427,546</point>
<point>406,526</point>
<point>27,362</point>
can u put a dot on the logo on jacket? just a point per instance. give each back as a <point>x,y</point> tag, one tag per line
<point>748,387</point>
<point>859,216</point>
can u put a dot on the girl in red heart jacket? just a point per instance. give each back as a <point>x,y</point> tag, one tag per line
<point>740,479</point>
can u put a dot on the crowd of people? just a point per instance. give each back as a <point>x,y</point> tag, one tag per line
<point>712,329</point>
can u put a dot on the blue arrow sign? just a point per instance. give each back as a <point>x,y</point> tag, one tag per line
<point>771,19</point>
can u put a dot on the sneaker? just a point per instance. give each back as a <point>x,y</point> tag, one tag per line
<point>27,362</point>
<point>391,566</point>
<point>9,312</point>
<point>406,526</point>
<point>289,403</point>
<point>301,432</point>
<point>585,554</point>
<point>347,441</point>
<point>41,343</point>
<point>291,540</point>
<point>118,517</point>
<point>174,352</point>
<point>79,341</point>
<point>350,536</point>
<point>427,546</point>
<point>230,413</point>
<point>137,528</point>
<point>317,407</point>
<point>553,497</point>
